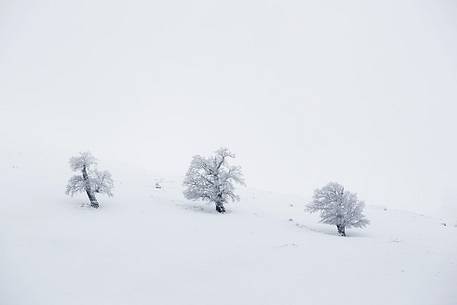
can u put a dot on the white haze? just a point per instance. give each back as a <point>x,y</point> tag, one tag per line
<point>304,92</point>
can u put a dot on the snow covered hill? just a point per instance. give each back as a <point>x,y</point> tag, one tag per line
<point>151,246</point>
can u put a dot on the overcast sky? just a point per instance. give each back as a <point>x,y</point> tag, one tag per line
<point>304,92</point>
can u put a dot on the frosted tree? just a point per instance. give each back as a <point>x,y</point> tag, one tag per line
<point>90,180</point>
<point>212,179</point>
<point>338,207</point>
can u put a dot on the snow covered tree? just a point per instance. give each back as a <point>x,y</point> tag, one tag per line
<point>212,179</point>
<point>90,180</point>
<point>338,207</point>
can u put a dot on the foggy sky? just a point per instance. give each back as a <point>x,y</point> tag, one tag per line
<point>304,92</point>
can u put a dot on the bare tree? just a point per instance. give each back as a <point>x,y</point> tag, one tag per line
<point>212,179</point>
<point>338,207</point>
<point>90,180</point>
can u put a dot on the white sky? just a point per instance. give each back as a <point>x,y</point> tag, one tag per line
<point>304,92</point>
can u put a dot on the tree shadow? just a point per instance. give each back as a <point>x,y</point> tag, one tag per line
<point>80,203</point>
<point>205,208</point>
<point>331,230</point>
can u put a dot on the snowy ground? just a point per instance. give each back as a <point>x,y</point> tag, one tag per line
<point>148,246</point>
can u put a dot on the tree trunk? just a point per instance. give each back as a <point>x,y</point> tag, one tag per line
<point>341,230</point>
<point>220,207</point>
<point>90,193</point>
<point>220,203</point>
<point>93,200</point>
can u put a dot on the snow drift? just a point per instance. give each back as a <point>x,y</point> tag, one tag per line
<point>151,246</point>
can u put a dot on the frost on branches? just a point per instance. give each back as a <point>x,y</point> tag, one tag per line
<point>90,180</point>
<point>338,207</point>
<point>212,179</point>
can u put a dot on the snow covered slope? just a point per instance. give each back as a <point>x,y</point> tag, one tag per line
<point>149,246</point>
